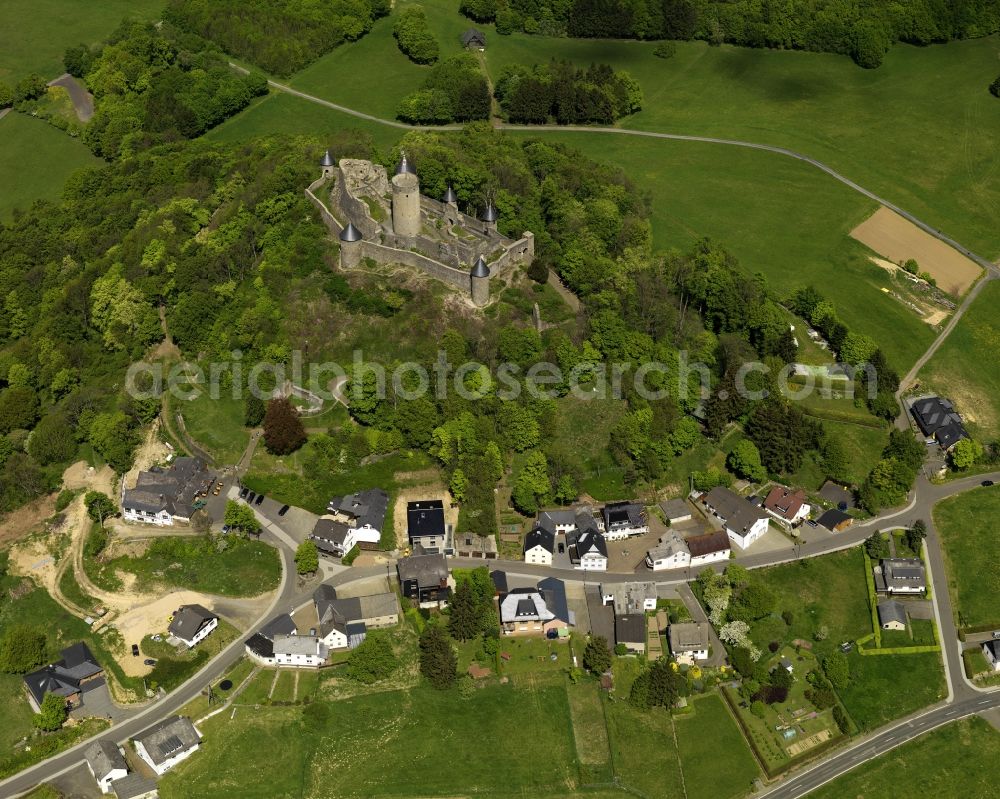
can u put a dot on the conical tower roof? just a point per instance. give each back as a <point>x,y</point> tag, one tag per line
<point>405,166</point>
<point>449,196</point>
<point>490,213</point>
<point>480,269</point>
<point>350,233</point>
<point>326,160</point>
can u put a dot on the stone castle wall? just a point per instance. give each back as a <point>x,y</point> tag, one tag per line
<point>383,254</point>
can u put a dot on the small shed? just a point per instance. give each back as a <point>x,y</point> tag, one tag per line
<point>891,615</point>
<point>676,510</point>
<point>835,520</point>
<point>474,39</point>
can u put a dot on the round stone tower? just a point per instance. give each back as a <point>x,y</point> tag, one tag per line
<point>480,277</point>
<point>327,164</point>
<point>350,246</point>
<point>450,201</point>
<point>405,200</point>
<point>489,219</point>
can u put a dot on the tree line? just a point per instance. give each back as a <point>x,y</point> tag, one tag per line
<point>280,37</point>
<point>863,30</point>
<point>414,37</point>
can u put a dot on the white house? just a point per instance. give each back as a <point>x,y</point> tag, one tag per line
<point>135,786</point>
<point>192,624</point>
<point>689,642</point>
<point>744,523</point>
<point>344,623</point>
<point>787,506</point>
<point>670,553</point>
<point>538,546</point>
<point>590,552</point>
<point>624,520</point>
<point>299,650</point>
<point>165,496</point>
<point>676,511</point>
<point>106,762</point>
<point>260,645</point>
<point>166,744</point>
<point>634,598</point>
<point>708,548</point>
<point>991,650</point>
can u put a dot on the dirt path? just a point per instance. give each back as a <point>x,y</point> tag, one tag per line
<point>149,453</point>
<point>83,101</point>
<point>568,296</point>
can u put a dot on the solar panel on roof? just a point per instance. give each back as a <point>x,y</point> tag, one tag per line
<point>171,744</point>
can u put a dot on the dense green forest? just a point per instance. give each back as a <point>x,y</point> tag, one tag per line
<point>862,29</point>
<point>280,36</point>
<point>560,92</point>
<point>455,90</point>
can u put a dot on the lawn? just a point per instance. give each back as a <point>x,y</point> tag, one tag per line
<point>284,688</point>
<point>955,760</point>
<point>701,737</point>
<point>960,371</point>
<point>643,749</point>
<point>35,158</point>
<point>863,445</point>
<point>258,689</point>
<point>34,34</point>
<point>217,425</point>
<point>590,731</point>
<point>243,568</point>
<point>17,714</point>
<point>887,687</point>
<point>967,526</point>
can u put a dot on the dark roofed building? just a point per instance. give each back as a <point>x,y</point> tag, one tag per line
<point>630,630</point>
<point>937,418</point>
<point>165,744</point>
<point>423,577</point>
<point>425,524</point>
<point>891,615</point>
<point>499,579</point>
<point>162,496</point>
<point>106,763</point>
<point>135,786</point>
<point>64,677</point>
<point>192,623</point>
<point>539,544</point>
<point>707,547</point>
<point>900,576</point>
<point>474,39</point>
<point>744,522</point>
<point>624,519</point>
<point>835,520</point>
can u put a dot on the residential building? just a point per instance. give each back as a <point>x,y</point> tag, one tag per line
<point>891,615</point>
<point>471,545</point>
<point>537,611</point>
<point>671,553</point>
<point>938,421</point>
<point>900,576</point>
<point>624,520</point>
<point>630,630</point>
<point>991,651</point>
<point>635,598</point>
<point>474,39</point>
<point>689,642</point>
<point>789,507</point>
<point>166,744</point>
<point>423,577</point>
<point>588,551</point>
<point>708,548</point>
<point>425,525</point>
<point>351,520</point>
<point>167,496</point>
<point>135,786</point>
<point>106,762</point>
<point>676,511</point>
<point>743,522</point>
<point>299,650</point>
<point>539,544</point>
<point>561,522</point>
<point>192,624</point>
<point>260,646</point>
<point>345,622</point>
<point>66,677</point>
<point>835,520</point>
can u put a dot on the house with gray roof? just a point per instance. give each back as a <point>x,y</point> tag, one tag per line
<point>423,577</point>
<point>991,651</point>
<point>165,496</point>
<point>260,646</point>
<point>135,786</point>
<point>351,520</point>
<point>588,550</point>
<point>743,521</point>
<point>106,762</point>
<point>624,520</point>
<point>891,615</point>
<point>671,552</point>
<point>426,526</point>
<point>630,597</point>
<point>539,544</point>
<point>630,631</point>
<point>66,677</point>
<point>900,576</point>
<point>192,624</point>
<point>675,511</point>
<point>166,744</point>
<point>542,610</point>
<point>344,623</point>
<point>299,650</point>
<point>938,421</point>
<point>689,642</point>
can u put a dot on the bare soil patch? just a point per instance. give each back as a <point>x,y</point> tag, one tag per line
<point>898,239</point>
<point>424,485</point>
<point>19,523</point>
<point>150,452</point>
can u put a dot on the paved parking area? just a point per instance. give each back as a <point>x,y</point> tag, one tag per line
<point>97,702</point>
<point>771,541</point>
<point>78,783</point>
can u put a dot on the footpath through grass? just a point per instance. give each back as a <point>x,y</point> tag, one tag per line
<point>953,761</point>
<point>967,524</point>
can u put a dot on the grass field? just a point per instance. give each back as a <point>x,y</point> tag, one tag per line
<point>951,761</point>
<point>34,34</point>
<point>887,687</point>
<point>960,371</point>
<point>217,425</point>
<point>17,714</point>
<point>967,526</point>
<point>701,737</point>
<point>244,568</point>
<point>35,158</point>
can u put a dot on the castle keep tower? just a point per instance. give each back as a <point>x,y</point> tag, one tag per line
<point>405,200</point>
<point>480,277</point>
<point>350,246</point>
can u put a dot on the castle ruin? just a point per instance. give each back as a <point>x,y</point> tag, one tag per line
<point>390,222</point>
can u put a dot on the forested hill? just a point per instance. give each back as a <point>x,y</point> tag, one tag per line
<point>863,29</point>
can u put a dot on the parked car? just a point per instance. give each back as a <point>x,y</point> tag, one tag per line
<point>149,662</point>
<point>225,529</point>
<point>243,493</point>
<point>250,497</point>
<point>996,635</point>
<point>812,523</point>
<point>157,637</point>
<point>847,646</point>
<point>135,650</point>
<point>987,483</point>
<point>260,498</point>
<point>284,510</point>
